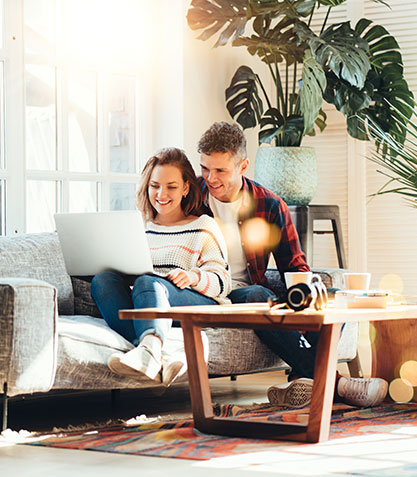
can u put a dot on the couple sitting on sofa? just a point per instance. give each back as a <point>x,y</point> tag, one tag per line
<point>194,266</point>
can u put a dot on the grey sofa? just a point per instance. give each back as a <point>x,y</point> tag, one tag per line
<point>53,338</point>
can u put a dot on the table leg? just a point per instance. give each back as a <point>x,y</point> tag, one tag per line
<point>197,374</point>
<point>321,405</point>
<point>324,383</point>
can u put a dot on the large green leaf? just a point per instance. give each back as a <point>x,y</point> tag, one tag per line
<point>346,98</point>
<point>274,44</point>
<point>242,98</point>
<point>284,8</point>
<point>213,16</point>
<point>271,125</point>
<point>320,123</point>
<point>285,131</point>
<point>311,92</point>
<point>331,3</point>
<point>390,95</point>
<point>340,49</point>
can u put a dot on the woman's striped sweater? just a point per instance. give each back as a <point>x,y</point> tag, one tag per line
<point>198,245</point>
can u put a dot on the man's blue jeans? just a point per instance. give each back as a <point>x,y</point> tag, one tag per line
<point>296,349</point>
<point>112,292</point>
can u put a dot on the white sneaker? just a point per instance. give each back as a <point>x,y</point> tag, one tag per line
<point>173,370</point>
<point>141,360</point>
<point>362,392</point>
<point>295,393</point>
<point>117,367</point>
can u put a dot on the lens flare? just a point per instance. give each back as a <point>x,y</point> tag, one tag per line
<point>392,282</point>
<point>401,390</point>
<point>408,372</point>
<point>257,234</point>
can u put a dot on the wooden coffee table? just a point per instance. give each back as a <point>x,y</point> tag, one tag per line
<point>259,316</point>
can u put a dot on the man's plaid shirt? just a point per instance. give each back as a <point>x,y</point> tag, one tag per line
<point>259,202</point>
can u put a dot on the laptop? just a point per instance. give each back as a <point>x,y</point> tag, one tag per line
<point>98,241</point>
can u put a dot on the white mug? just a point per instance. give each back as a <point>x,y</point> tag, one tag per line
<point>357,281</point>
<point>292,278</point>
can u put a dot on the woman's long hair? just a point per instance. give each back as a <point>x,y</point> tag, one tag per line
<point>174,157</point>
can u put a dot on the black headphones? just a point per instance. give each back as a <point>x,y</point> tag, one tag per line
<point>300,296</point>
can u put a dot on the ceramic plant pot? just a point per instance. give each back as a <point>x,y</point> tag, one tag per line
<point>290,172</point>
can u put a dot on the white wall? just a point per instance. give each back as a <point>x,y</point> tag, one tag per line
<point>166,64</point>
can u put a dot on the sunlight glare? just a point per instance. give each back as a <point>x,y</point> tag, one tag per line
<point>108,33</point>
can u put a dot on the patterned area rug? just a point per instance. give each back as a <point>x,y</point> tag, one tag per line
<point>179,439</point>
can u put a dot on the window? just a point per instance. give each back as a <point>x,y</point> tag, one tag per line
<point>80,113</point>
<point>82,88</point>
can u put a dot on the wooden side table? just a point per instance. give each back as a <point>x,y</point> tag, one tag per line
<point>304,216</point>
<point>393,344</point>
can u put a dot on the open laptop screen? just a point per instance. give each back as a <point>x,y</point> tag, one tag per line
<point>98,241</point>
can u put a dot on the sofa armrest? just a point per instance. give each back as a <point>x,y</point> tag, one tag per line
<point>28,336</point>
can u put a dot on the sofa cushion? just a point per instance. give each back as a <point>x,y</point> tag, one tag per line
<point>85,344</point>
<point>238,351</point>
<point>38,256</point>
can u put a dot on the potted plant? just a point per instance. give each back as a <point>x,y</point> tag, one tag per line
<point>354,68</point>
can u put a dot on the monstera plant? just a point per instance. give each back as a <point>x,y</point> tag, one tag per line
<point>356,68</point>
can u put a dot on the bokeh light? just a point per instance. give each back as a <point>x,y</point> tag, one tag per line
<point>392,282</point>
<point>257,234</point>
<point>401,390</point>
<point>408,372</point>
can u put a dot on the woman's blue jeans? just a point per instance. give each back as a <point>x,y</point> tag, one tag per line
<point>112,292</point>
<point>296,349</point>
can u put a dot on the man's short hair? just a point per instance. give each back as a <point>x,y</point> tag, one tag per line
<point>223,137</point>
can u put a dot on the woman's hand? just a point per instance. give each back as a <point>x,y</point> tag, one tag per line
<point>183,279</point>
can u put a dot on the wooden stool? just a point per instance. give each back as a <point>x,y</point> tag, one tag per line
<point>304,216</point>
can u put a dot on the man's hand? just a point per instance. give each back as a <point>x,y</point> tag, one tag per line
<point>183,279</point>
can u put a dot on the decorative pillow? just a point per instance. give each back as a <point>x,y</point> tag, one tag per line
<point>38,256</point>
<point>83,301</point>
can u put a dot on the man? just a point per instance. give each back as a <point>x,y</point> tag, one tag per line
<point>257,223</point>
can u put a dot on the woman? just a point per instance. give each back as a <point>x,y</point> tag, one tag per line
<point>190,267</point>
